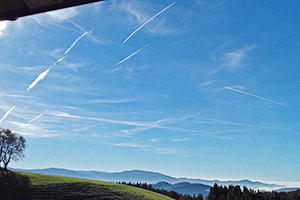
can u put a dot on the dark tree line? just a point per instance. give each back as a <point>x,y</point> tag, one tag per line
<point>172,194</point>
<point>224,193</point>
<point>12,147</point>
<point>236,193</point>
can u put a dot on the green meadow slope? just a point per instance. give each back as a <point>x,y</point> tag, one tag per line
<point>59,185</point>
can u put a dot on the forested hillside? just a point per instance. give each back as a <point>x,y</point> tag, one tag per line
<point>236,193</point>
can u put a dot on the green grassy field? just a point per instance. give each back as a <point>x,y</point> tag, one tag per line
<point>39,179</point>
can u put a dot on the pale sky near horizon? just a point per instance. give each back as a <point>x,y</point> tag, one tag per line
<point>204,89</point>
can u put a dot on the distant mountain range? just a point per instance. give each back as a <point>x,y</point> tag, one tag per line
<point>184,188</point>
<point>287,189</point>
<point>180,184</point>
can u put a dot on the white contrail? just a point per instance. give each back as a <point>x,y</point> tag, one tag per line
<point>7,113</point>
<point>141,26</point>
<point>44,74</point>
<point>75,42</point>
<point>59,60</point>
<point>253,95</point>
<point>35,118</point>
<point>136,52</point>
<point>39,78</point>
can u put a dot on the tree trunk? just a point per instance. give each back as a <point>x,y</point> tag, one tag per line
<point>5,164</point>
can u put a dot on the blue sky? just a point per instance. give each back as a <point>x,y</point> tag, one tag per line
<point>207,89</point>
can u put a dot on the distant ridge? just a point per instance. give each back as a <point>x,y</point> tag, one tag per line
<point>287,189</point>
<point>184,188</point>
<point>143,176</point>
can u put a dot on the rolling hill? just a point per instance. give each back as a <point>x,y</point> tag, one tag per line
<point>59,187</point>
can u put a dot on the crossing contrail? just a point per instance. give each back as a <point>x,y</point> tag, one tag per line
<point>253,95</point>
<point>128,57</point>
<point>146,22</point>
<point>53,24</point>
<point>7,113</point>
<point>35,118</point>
<point>136,52</point>
<point>39,78</point>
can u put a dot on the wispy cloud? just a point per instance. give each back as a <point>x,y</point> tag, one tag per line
<point>40,115</point>
<point>206,83</point>
<point>7,113</point>
<point>39,78</point>
<point>33,130</point>
<point>75,66</point>
<point>146,22</point>
<point>233,59</point>
<point>253,95</point>
<point>167,150</point>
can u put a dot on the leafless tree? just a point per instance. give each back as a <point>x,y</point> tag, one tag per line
<point>12,147</point>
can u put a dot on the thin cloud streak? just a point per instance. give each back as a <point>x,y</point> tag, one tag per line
<point>218,121</point>
<point>140,125</point>
<point>160,124</point>
<point>146,147</point>
<point>113,101</point>
<point>130,123</point>
<point>7,113</point>
<point>39,78</point>
<point>253,95</point>
<point>40,115</point>
<point>146,22</point>
<point>134,53</point>
<point>15,95</point>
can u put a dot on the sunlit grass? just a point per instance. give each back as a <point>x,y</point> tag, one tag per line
<point>40,179</point>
